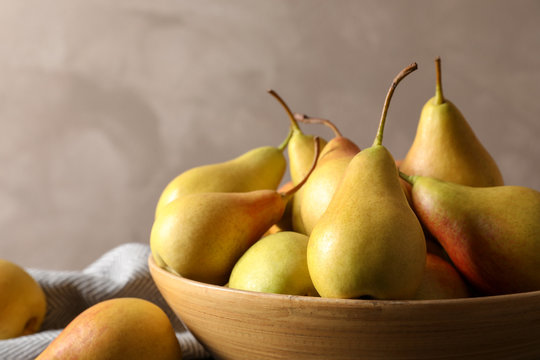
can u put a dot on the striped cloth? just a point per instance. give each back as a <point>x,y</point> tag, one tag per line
<point>121,272</point>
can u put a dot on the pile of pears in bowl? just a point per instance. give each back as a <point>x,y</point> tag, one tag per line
<point>359,255</point>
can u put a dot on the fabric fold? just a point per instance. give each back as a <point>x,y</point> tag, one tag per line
<point>121,272</point>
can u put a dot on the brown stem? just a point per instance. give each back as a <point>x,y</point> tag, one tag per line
<point>294,189</point>
<point>311,120</point>
<point>294,124</point>
<point>439,98</point>
<point>402,74</point>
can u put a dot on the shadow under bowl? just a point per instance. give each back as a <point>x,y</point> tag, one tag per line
<point>234,324</point>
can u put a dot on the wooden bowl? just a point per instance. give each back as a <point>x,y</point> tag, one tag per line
<point>234,324</point>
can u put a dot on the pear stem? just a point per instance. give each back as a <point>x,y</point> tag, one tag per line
<point>285,142</point>
<point>439,98</point>
<point>409,69</point>
<point>311,120</point>
<point>411,179</point>
<point>287,194</point>
<point>294,124</point>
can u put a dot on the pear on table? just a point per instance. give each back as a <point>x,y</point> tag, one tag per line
<point>201,236</point>
<point>22,301</point>
<point>369,242</point>
<point>446,147</point>
<point>322,184</point>
<point>491,234</point>
<point>257,169</point>
<point>300,150</point>
<point>117,329</point>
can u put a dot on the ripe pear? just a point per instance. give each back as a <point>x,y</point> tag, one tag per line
<point>300,147</point>
<point>321,185</point>
<point>22,302</point>
<point>441,281</point>
<point>446,147</point>
<point>257,169</point>
<point>300,152</point>
<point>285,223</point>
<point>491,234</point>
<point>369,242</point>
<point>117,329</point>
<point>275,264</point>
<point>201,236</point>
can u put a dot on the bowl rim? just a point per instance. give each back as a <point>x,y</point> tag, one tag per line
<point>345,302</point>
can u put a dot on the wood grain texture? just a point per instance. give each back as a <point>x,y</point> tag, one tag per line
<point>238,325</point>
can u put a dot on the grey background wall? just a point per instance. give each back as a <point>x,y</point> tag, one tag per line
<point>102,103</point>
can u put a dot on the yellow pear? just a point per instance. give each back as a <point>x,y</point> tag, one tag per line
<point>201,236</point>
<point>275,264</point>
<point>322,184</point>
<point>260,168</point>
<point>300,150</point>
<point>446,147</point>
<point>117,329</point>
<point>300,147</point>
<point>285,223</point>
<point>369,243</point>
<point>22,302</point>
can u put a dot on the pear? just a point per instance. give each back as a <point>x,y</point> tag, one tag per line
<point>275,264</point>
<point>201,236</point>
<point>445,146</point>
<point>300,147</point>
<point>300,153</point>
<point>117,329</point>
<point>491,234</point>
<point>432,245</point>
<point>322,184</point>
<point>285,223</point>
<point>22,302</point>
<point>259,168</point>
<point>369,243</point>
<point>441,281</point>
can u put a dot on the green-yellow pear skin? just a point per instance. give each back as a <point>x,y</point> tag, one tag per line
<point>300,147</point>
<point>445,146</point>
<point>369,243</point>
<point>275,264</point>
<point>201,236</point>
<point>441,281</point>
<point>300,150</point>
<point>285,223</point>
<point>22,302</point>
<point>257,169</point>
<point>117,329</point>
<point>323,182</point>
<point>491,234</point>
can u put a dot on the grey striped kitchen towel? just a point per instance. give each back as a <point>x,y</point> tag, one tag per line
<point>121,272</point>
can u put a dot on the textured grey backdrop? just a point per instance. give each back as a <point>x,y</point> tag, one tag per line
<point>102,103</point>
